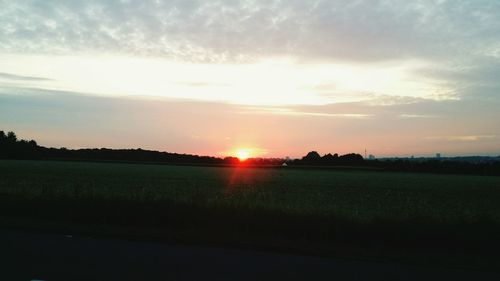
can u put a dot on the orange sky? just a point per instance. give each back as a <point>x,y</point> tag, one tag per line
<point>81,121</point>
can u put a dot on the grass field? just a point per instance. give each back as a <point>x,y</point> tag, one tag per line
<point>320,206</point>
<point>353,195</point>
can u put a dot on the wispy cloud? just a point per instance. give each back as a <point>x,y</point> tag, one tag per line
<point>294,112</point>
<point>467,138</point>
<point>233,30</point>
<point>197,84</point>
<point>11,76</point>
<point>417,116</point>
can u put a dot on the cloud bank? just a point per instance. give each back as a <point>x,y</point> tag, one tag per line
<point>233,30</point>
<point>416,75</point>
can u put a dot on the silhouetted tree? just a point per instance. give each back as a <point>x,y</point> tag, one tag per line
<point>231,160</point>
<point>11,137</point>
<point>329,159</point>
<point>352,158</point>
<point>312,157</point>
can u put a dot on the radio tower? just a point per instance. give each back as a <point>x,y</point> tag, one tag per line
<point>365,153</point>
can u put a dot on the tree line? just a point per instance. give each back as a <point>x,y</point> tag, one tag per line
<point>13,148</point>
<point>314,158</point>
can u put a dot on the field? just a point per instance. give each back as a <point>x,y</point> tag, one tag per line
<point>307,209</point>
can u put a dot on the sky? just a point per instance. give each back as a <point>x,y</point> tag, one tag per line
<point>278,78</point>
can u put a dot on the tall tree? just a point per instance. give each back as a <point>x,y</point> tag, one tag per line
<point>11,136</point>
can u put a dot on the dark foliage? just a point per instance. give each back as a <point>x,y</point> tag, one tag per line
<point>13,148</point>
<point>132,155</point>
<point>313,158</point>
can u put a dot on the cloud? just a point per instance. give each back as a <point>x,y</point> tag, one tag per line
<point>197,84</point>
<point>389,66</point>
<point>468,138</point>
<point>295,112</point>
<point>417,116</point>
<point>11,76</point>
<point>458,41</point>
<point>222,30</point>
<point>474,77</point>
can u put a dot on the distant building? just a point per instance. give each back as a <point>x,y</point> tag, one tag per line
<point>438,155</point>
<point>371,157</point>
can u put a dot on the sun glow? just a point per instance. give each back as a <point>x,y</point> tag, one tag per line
<point>243,154</point>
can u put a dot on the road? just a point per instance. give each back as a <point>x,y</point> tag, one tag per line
<point>29,256</point>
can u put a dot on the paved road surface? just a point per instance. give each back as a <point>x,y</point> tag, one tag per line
<point>25,256</point>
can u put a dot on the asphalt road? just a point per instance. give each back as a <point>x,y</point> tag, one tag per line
<point>27,256</point>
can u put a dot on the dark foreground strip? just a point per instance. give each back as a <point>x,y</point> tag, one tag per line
<point>26,256</point>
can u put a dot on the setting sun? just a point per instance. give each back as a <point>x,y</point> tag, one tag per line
<point>243,154</point>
